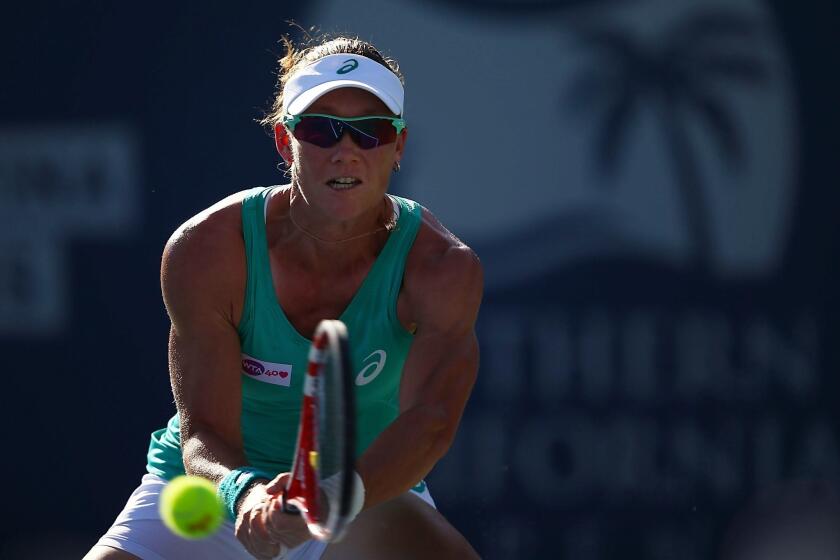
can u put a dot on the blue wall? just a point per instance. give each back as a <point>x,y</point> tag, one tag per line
<point>627,406</point>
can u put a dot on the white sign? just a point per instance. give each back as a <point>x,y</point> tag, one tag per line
<point>57,184</point>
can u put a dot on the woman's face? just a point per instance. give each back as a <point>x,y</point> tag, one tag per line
<point>317,168</point>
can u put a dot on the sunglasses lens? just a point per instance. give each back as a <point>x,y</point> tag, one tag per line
<point>321,131</point>
<point>325,132</point>
<point>371,133</point>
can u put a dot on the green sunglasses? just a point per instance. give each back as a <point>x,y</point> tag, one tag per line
<point>326,131</point>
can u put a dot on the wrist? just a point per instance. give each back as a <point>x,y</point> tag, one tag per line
<point>254,493</point>
<point>237,484</point>
<point>332,488</point>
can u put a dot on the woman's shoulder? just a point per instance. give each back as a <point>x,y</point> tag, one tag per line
<point>206,253</point>
<point>225,216</point>
<point>435,246</point>
<point>441,269</point>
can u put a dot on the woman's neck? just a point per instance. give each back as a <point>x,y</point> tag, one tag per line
<point>322,242</point>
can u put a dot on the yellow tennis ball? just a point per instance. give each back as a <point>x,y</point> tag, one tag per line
<point>190,507</point>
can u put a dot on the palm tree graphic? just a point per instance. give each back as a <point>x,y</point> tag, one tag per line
<point>679,76</point>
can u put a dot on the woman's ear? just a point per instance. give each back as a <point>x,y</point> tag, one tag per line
<point>283,143</point>
<point>401,140</point>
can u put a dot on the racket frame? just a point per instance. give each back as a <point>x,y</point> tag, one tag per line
<point>330,347</point>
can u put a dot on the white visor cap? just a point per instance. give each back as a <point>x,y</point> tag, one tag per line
<point>338,71</point>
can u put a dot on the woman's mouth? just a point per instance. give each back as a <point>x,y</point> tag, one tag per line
<point>343,183</point>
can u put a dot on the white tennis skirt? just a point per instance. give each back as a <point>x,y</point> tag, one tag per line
<point>140,531</point>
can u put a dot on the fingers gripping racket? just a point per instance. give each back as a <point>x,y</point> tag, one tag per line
<point>321,487</point>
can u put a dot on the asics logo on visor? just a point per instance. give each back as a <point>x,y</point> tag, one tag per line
<point>349,66</point>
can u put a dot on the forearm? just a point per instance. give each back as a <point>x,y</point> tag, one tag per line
<point>208,455</point>
<point>403,453</point>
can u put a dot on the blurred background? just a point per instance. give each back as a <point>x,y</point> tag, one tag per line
<point>651,186</point>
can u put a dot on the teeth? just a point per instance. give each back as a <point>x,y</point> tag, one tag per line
<point>343,182</point>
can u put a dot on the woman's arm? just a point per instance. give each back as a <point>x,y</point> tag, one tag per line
<point>203,275</point>
<point>444,291</point>
<point>202,280</point>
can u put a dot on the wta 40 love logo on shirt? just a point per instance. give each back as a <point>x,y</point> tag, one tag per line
<point>269,372</point>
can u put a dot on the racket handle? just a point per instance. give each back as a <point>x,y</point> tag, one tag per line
<point>287,507</point>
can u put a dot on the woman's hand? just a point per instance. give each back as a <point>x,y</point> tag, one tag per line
<point>263,527</point>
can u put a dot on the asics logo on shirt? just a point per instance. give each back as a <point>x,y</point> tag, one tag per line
<point>372,369</point>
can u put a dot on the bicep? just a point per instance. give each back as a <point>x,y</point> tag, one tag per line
<point>442,365</point>
<point>204,364</point>
<point>440,372</point>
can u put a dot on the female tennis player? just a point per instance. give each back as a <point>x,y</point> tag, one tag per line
<point>245,283</point>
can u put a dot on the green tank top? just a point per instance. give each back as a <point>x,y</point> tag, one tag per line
<point>274,354</point>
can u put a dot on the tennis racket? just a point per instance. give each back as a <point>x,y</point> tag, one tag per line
<point>321,487</point>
